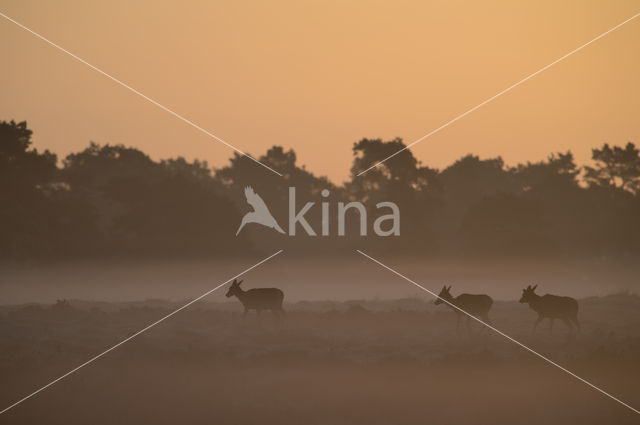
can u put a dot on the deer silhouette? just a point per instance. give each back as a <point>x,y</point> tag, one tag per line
<point>551,307</point>
<point>476,305</point>
<point>258,299</point>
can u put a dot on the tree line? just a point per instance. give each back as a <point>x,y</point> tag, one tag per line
<point>115,201</point>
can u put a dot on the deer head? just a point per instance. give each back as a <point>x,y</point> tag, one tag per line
<point>528,294</point>
<point>443,295</point>
<point>234,289</point>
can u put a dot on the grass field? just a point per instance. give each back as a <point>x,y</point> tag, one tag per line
<point>328,362</point>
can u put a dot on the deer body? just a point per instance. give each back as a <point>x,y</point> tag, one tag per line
<point>551,307</point>
<point>475,305</point>
<point>258,299</point>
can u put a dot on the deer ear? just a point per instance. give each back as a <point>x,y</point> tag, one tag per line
<point>534,288</point>
<point>238,283</point>
<point>449,288</point>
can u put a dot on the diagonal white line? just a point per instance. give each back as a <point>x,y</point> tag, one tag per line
<point>448,123</point>
<point>128,87</point>
<point>501,333</point>
<point>138,333</point>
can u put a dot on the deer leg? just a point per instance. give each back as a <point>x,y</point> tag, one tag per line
<point>535,325</point>
<point>468,324</point>
<point>575,320</point>
<point>550,324</point>
<point>246,311</point>
<point>569,325</point>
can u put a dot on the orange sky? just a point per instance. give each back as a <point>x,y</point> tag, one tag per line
<point>318,76</point>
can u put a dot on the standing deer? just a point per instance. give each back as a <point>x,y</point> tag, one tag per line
<point>258,299</point>
<point>551,307</point>
<point>476,305</point>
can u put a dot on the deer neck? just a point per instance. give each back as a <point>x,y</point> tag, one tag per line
<point>241,295</point>
<point>534,303</point>
<point>451,302</point>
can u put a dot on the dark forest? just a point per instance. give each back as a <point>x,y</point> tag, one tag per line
<point>115,201</point>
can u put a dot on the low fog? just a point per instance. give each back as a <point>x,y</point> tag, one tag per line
<point>309,279</point>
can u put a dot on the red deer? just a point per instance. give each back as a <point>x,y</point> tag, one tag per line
<point>258,299</point>
<point>476,305</point>
<point>551,307</point>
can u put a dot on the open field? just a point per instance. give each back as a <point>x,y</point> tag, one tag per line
<point>337,362</point>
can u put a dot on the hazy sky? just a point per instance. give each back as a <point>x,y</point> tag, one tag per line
<point>318,76</point>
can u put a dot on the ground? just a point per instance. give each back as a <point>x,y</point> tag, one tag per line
<point>374,362</point>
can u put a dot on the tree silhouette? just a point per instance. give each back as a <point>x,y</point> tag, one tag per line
<point>112,200</point>
<point>168,208</point>
<point>403,172</point>
<point>558,172</point>
<point>22,169</point>
<point>39,215</point>
<point>616,168</point>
